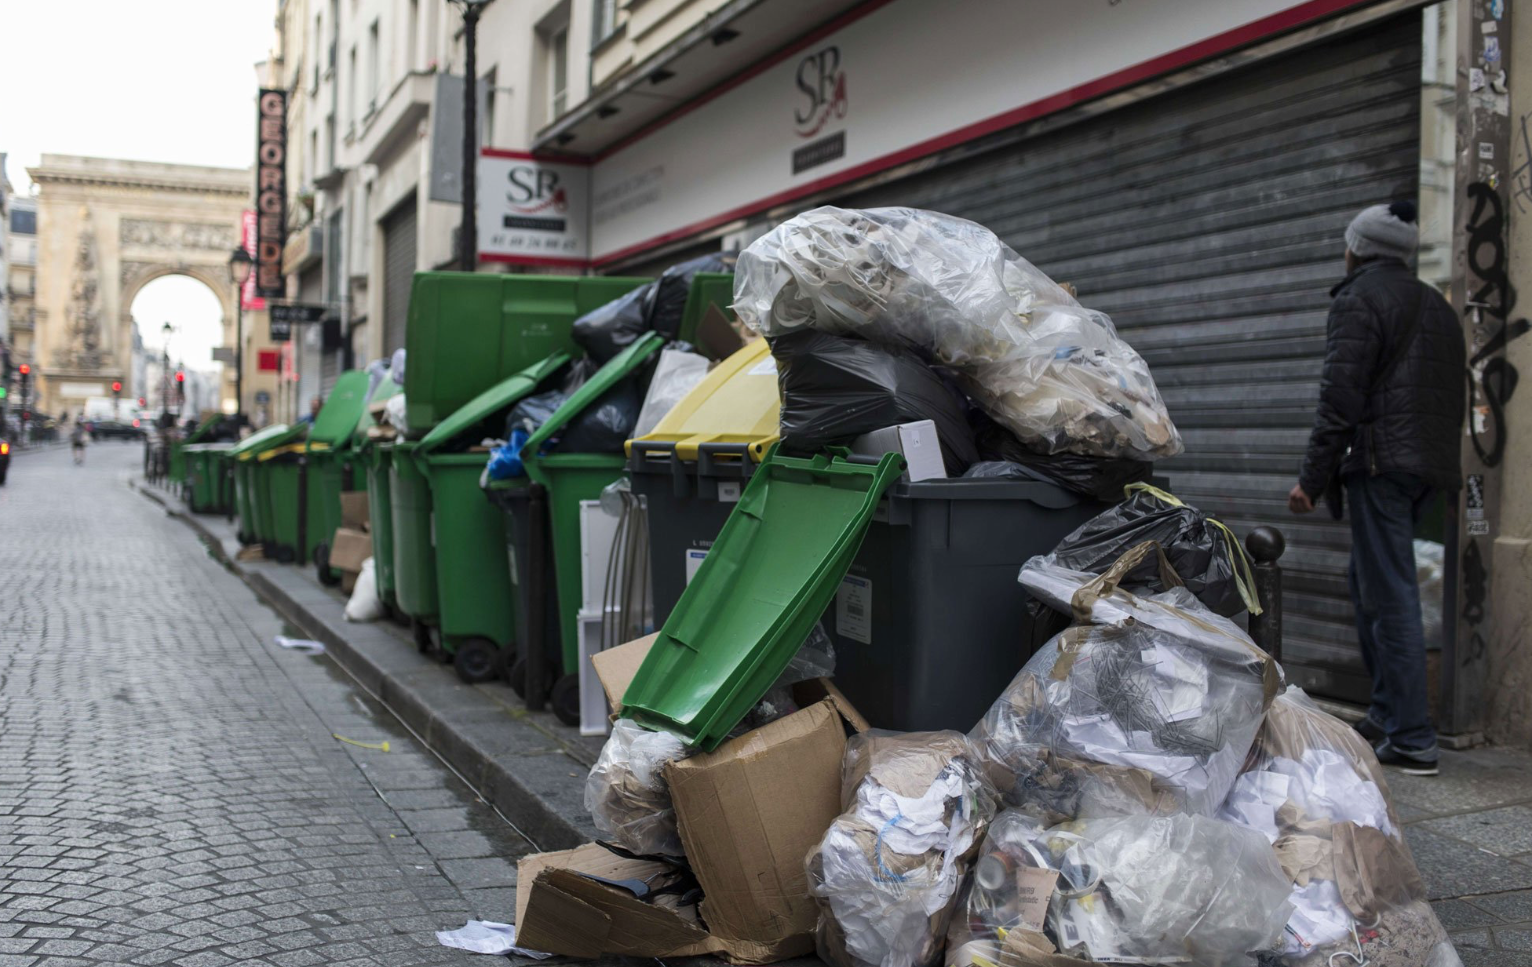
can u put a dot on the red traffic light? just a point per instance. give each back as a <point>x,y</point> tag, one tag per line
<point>141,401</point>
<point>116,386</point>
<point>180,377</point>
<point>24,369</point>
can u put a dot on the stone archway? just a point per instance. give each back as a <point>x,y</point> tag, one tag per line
<point>106,228</point>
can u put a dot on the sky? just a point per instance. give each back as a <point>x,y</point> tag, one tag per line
<point>154,80</point>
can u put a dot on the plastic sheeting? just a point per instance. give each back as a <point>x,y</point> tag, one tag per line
<point>677,374</point>
<point>887,872</point>
<point>1204,554</point>
<point>1051,371</point>
<point>835,389</point>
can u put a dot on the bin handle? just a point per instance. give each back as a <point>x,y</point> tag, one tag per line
<point>707,454</point>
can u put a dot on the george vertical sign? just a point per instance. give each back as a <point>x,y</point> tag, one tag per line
<point>270,193</point>
<point>247,230</point>
<point>1482,292</point>
<point>532,210</point>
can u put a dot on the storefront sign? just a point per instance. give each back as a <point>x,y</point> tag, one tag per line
<point>532,211</point>
<point>247,230</point>
<point>896,83</point>
<point>284,317</point>
<point>270,193</point>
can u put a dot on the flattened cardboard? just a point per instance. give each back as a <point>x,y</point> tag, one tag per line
<point>748,812</point>
<point>354,512</point>
<point>716,336</point>
<point>350,549</point>
<point>562,912</point>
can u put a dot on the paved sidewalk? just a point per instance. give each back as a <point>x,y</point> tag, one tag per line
<point>1470,828</point>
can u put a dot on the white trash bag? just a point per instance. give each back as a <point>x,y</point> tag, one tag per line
<point>1049,370</point>
<point>365,605</point>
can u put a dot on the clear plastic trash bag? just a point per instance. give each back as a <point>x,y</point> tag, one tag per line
<point>1150,708</point>
<point>1053,372</point>
<point>626,793</point>
<point>887,872</point>
<point>1140,889</point>
<point>1314,790</point>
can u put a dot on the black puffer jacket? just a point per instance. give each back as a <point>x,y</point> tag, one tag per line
<point>1413,422</point>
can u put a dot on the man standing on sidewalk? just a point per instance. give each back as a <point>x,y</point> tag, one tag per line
<point>1387,434</point>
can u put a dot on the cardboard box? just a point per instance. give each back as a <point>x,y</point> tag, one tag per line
<point>748,813</point>
<point>354,513</point>
<point>348,582</point>
<point>350,549</point>
<point>918,442</point>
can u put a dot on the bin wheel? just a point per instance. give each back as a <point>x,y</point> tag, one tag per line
<point>516,677</point>
<point>566,699</point>
<point>286,554</point>
<point>477,660</point>
<point>422,633</point>
<point>327,576</point>
<point>269,550</point>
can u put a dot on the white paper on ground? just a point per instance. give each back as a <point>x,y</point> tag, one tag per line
<point>1319,917</point>
<point>487,937</point>
<point>300,644</point>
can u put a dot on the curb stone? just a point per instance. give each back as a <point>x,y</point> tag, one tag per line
<point>515,760</point>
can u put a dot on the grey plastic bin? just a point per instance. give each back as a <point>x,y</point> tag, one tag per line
<point>930,624</point>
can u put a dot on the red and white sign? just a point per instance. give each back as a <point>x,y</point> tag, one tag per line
<point>247,296</point>
<point>532,210</point>
<point>894,81</point>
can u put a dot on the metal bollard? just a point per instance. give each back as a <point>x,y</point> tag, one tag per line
<point>1265,545</point>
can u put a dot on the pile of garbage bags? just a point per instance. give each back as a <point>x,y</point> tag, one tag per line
<point>1049,371</point>
<point>1160,800</point>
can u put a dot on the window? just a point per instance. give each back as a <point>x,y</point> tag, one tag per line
<point>603,21</point>
<point>313,159</point>
<point>374,66</point>
<point>318,46</point>
<point>412,32</point>
<point>558,72</point>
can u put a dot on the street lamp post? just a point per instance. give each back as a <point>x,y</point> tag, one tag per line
<point>165,330</point>
<point>468,229</point>
<point>240,264</point>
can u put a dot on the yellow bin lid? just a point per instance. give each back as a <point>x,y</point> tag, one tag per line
<point>736,403</point>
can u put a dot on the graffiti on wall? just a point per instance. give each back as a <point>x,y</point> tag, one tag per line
<point>1491,377</point>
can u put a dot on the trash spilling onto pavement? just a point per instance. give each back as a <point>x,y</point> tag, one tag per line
<point>487,937</point>
<point>304,645</point>
<point>1145,790</point>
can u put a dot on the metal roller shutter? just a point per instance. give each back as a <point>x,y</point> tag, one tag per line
<point>1208,223</point>
<point>398,272</point>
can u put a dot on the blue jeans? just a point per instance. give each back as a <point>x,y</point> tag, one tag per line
<point>1384,511</point>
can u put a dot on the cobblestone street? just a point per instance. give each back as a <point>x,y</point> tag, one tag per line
<point>171,787</point>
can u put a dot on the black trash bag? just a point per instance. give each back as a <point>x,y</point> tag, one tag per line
<point>1001,470</point>
<point>1202,553</point>
<point>1097,477</point>
<point>675,285</point>
<point>533,411</point>
<point>608,330</point>
<point>606,425</point>
<point>834,389</point>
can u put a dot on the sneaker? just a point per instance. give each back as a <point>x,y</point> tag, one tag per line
<point>1411,762</point>
<point>1370,730</point>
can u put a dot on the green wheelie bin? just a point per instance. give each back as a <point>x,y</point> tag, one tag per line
<point>247,498</point>
<point>305,479</point>
<point>476,613</point>
<point>414,560</point>
<point>375,455</point>
<point>568,479</point>
<point>206,481</point>
<point>178,465</point>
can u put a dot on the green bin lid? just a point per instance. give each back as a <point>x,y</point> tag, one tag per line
<point>498,397</point>
<point>619,367</point>
<point>340,414</point>
<point>203,429</point>
<point>276,435</point>
<point>774,569</point>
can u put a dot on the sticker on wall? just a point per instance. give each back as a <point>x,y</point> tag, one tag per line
<point>1497,8</point>
<point>1473,497</point>
<point>1486,151</point>
<point>1489,26</point>
<point>1475,79</point>
<point>1492,49</point>
<point>1478,528</point>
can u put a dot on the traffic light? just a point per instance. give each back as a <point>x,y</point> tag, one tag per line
<point>141,402</point>
<point>116,388</point>
<point>180,376</point>
<point>24,369</point>
<point>3,393</point>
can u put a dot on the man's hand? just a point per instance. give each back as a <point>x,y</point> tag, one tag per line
<point>1298,501</point>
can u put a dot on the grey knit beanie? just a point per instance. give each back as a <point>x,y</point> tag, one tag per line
<point>1387,231</point>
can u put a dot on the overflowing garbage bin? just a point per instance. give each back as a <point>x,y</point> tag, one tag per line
<point>692,468</point>
<point>569,478</point>
<point>476,609</point>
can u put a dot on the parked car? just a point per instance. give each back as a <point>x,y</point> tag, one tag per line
<point>116,429</point>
